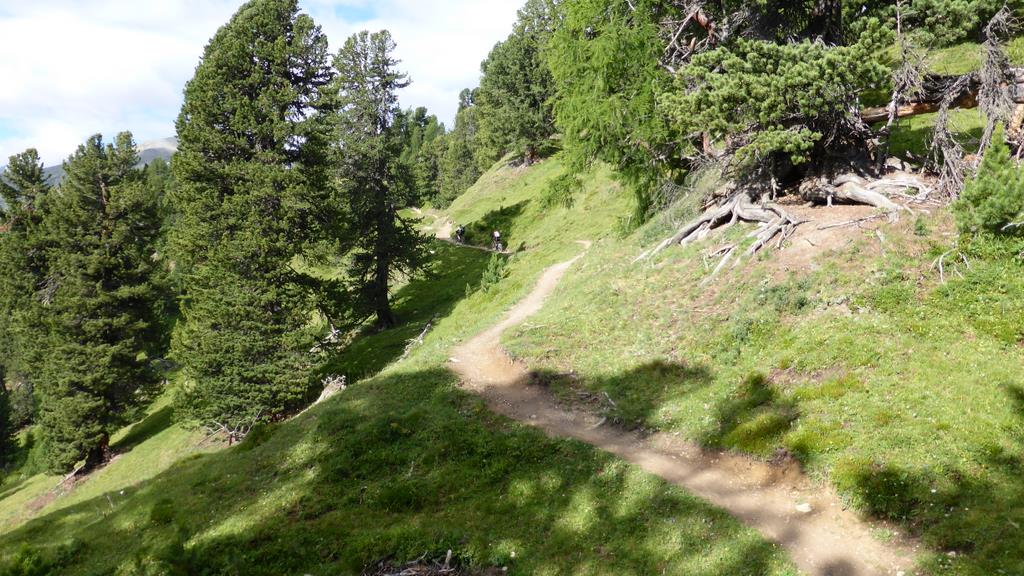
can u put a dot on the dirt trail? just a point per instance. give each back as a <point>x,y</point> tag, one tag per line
<point>809,521</point>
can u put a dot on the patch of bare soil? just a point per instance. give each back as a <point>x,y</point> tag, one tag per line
<point>821,536</point>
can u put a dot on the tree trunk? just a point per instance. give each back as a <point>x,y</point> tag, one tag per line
<point>99,455</point>
<point>381,303</point>
<point>382,266</point>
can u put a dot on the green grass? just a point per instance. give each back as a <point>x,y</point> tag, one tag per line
<point>143,450</point>
<point>906,394</point>
<point>404,463</point>
<point>968,56</point>
<point>913,135</point>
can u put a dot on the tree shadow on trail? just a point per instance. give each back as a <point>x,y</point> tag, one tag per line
<point>423,300</point>
<point>632,398</point>
<point>403,466</point>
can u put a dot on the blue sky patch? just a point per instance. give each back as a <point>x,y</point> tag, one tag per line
<point>356,13</point>
<point>7,130</point>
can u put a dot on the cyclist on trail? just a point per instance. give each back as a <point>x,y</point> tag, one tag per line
<point>460,234</point>
<point>498,247</point>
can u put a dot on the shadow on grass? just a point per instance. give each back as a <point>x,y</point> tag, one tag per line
<point>18,465</point>
<point>479,233</point>
<point>402,466</point>
<point>429,297</point>
<point>152,425</point>
<point>974,516</point>
<point>753,419</point>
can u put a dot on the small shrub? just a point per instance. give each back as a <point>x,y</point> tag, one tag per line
<point>260,433</point>
<point>883,490</point>
<point>993,202</point>
<point>561,191</point>
<point>495,272</point>
<point>920,226</point>
<point>790,296</point>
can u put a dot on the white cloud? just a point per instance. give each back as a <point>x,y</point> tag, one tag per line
<point>72,68</point>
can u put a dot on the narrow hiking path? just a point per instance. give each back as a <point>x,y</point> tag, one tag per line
<point>808,520</point>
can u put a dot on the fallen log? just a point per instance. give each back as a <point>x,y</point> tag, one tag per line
<point>937,88</point>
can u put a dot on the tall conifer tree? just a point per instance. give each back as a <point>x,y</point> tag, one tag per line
<point>100,303</point>
<point>23,189</point>
<point>376,183</point>
<point>252,192</point>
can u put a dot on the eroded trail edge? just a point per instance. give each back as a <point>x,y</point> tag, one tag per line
<point>807,520</point>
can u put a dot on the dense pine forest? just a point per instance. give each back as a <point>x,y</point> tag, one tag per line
<point>792,239</point>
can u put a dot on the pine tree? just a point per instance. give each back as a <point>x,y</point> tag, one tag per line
<point>993,202</point>
<point>100,303</point>
<point>23,189</point>
<point>422,134</point>
<point>376,183</point>
<point>457,166</point>
<point>252,192</point>
<point>516,89</point>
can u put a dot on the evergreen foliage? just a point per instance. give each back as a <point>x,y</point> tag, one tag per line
<point>252,192</point>
<point>935,22</point>
<point>516,88</point>
<point>422,152</point>
<point>101,303</point>
<point>23,269</point>
<point>6,422</point>
<point>604,59</point>
<point>769,97</point>
<point>458,167</point>
<point>375,182</point>
<point>993,202</point>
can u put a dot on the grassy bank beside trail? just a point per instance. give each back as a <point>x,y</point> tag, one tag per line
<point>402,464</point>
<point>904,392</point>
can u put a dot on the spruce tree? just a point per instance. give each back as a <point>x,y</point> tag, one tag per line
<point>251,194</point>
<point>422,134</point>
<point>375,182</point>
<point>100,303</point>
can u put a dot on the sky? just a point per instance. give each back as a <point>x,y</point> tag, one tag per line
<point>73,68</point>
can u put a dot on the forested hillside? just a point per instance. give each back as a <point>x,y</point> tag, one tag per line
<point>775,243</point>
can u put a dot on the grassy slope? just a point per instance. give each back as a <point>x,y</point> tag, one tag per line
<point>404,463</point>
<point>905,393</point>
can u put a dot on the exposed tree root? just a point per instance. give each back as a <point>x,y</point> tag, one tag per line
<point>774,220</point>
<point>849,188</point>
<point>777,224</point>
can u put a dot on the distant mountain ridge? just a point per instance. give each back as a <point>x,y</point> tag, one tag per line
<point>150,150</point>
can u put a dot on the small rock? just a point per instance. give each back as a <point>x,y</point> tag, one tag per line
<point>804,508</point>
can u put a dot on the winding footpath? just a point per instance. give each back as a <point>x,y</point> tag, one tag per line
<point>807,520</point>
